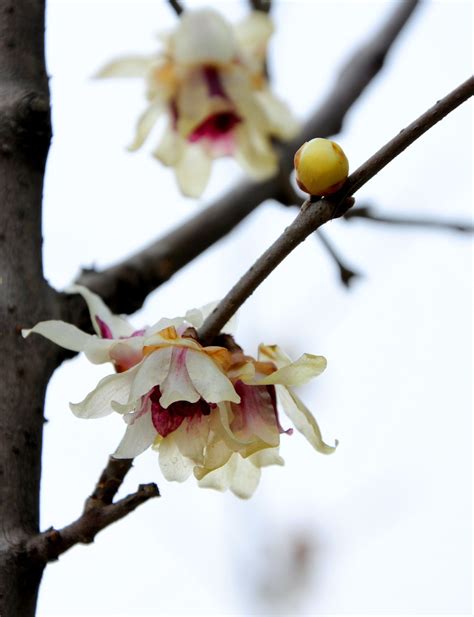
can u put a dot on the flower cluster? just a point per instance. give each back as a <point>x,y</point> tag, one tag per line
<point>208,410</point>
<point>209,79</point>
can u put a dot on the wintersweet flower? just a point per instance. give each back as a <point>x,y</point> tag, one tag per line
<point>115,340</point>
<point>209,80</point>
<point>254,421</point>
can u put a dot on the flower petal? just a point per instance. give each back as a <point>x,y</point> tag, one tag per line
<point>98,402</point>
<point>145,124</point>
<point>280,120</point>
<point>97,308</point>
<point>170,149</point>
<point>253,33</point>
<point>178,386</point>
<point>240,475</point>
<point>127,66</point>
<point>208,380</point>
<point>203,37</point>
<point>64,334</point>
<point>193,171</point>
<point>174,466</point>
<point>267,457</point>
<point>303,420</point>
<point>151,372</point>
<point>297,373</point>
<point>138,437</point>
<point>191,438</point>
<point>255,153</point>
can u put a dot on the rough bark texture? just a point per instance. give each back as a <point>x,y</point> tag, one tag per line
<point>25,297</point>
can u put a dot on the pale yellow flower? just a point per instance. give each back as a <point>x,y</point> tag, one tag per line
<point>209,79</point>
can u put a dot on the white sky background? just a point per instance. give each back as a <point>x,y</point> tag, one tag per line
<point>387,518</point>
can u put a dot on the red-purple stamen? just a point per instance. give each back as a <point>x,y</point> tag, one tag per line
<point>105,331</point>
<point>168,420</point>
<point>215,127</point>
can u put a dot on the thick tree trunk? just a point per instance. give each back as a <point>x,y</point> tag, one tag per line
<point>25,297</point>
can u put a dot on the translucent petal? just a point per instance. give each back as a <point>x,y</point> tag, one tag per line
<point>193,171</point>
<point>281,122</point>
<point>151,372</point>
<point>255,153</point>
<point>303,420</point>
<point>267,457</point>
<point>297,373</point>
<point>238,474</point>
<point>170,149</point>
<point>97,350</point>
<point>253,33</point>
<point>145,124</point>
<point>64,334</point>
<point>178,386</point>
<point>97,308</point>
<point>238,87</point>
<point>208,380</point>
<point>173,465</point>
<point>138,437</point>
<point>191,438</point>
<point>98,402</point>
<point>127,66</point>
<point>203,37</point>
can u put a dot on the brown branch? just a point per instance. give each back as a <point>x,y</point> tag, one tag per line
<point>346,274</point>
<point>313,214</point>
<point>264,6</point>
<point>367,213</point>
<point>99,512</point>
<point>176,6</point>
<point>125,286</point>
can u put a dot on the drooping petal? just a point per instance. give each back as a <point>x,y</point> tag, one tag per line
<point>297,373</point>
<point>97,308</point>
<point>303,420</point>
<point>255,418</point>
<point>127,353</point>
<point>61,333</point>
<point>138,437</point>
<point>273,353</point>
<point>254,152</point>
<point>266,458</point>
<point>280,121</point>
<point>208,380</point>
<point>173,465</point>
<point>127,66</point>
<point>237,84</point>
<point>145,124</point>
<point>171,147</point>
<point>238,474</point>
<point>203,37</point>
<point>193,170</point>
<point>178,386</point>
<point>191,437</point>
<point>97,350</point>
<point>98,402</point>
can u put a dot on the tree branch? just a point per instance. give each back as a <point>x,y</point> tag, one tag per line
<point>264,6</point>
<point>125,286</point>
<point>313,214</point>
<point>99,512</point>
<point>176,6</point>
<point>367,213</point>
<point>346,274</point>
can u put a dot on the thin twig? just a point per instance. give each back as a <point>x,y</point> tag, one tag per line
<point>176,6</point>
<point>313,214</point>
<point>126,285</point>
<point>99,512</point>
<point>261,5</point>
<point>367,213</point>
<point>346,274</point>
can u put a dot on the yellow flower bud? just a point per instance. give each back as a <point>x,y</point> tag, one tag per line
<point>321,167</point>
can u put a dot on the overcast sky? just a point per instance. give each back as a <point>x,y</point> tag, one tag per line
<point>384,524</point>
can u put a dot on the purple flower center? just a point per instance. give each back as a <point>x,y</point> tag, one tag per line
<point>214,85</point>
<point>168,420</point>
<point>215,127</point>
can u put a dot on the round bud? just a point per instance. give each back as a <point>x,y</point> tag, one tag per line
<point>321,167</point>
